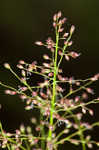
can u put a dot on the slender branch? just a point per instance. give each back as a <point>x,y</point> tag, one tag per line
<point>54,86</point>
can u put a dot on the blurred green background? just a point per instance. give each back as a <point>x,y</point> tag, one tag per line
<point>22,22</point>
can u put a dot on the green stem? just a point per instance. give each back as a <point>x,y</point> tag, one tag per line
<point>27,145</point>
<point>54,87</point>
<point>8,147</point>
<point>81,135</point>
<point>42,131</point>
<point>82,139</point>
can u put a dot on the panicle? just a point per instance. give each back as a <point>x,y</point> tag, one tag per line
<point>58,104</point>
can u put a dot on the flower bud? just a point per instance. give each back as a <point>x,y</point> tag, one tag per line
<point>21,62</point>
<point>61,30</point>
<point>55,17</point>
<point>65,35</point>
<point>23,73</point>
<point>46,57</point>
<point>59,14</point>
<point>54,24</point>
<point>72,29</point>
<point>7,66</point>
<point>67,57</point>
<point>39,43</point>
<point>20,66</point>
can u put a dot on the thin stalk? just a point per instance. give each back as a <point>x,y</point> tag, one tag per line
<point>64,48</point>
<point>54,86</point>
<point>42,131</point>
<point>82,139</point>
<point>8,147</point>
<point>81,135</point>
<point>27,145</point>
<point>78,89</point>
<point>75,133</point>
<point>24,82</point>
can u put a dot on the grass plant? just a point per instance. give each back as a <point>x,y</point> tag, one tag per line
<point>62,101</point>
